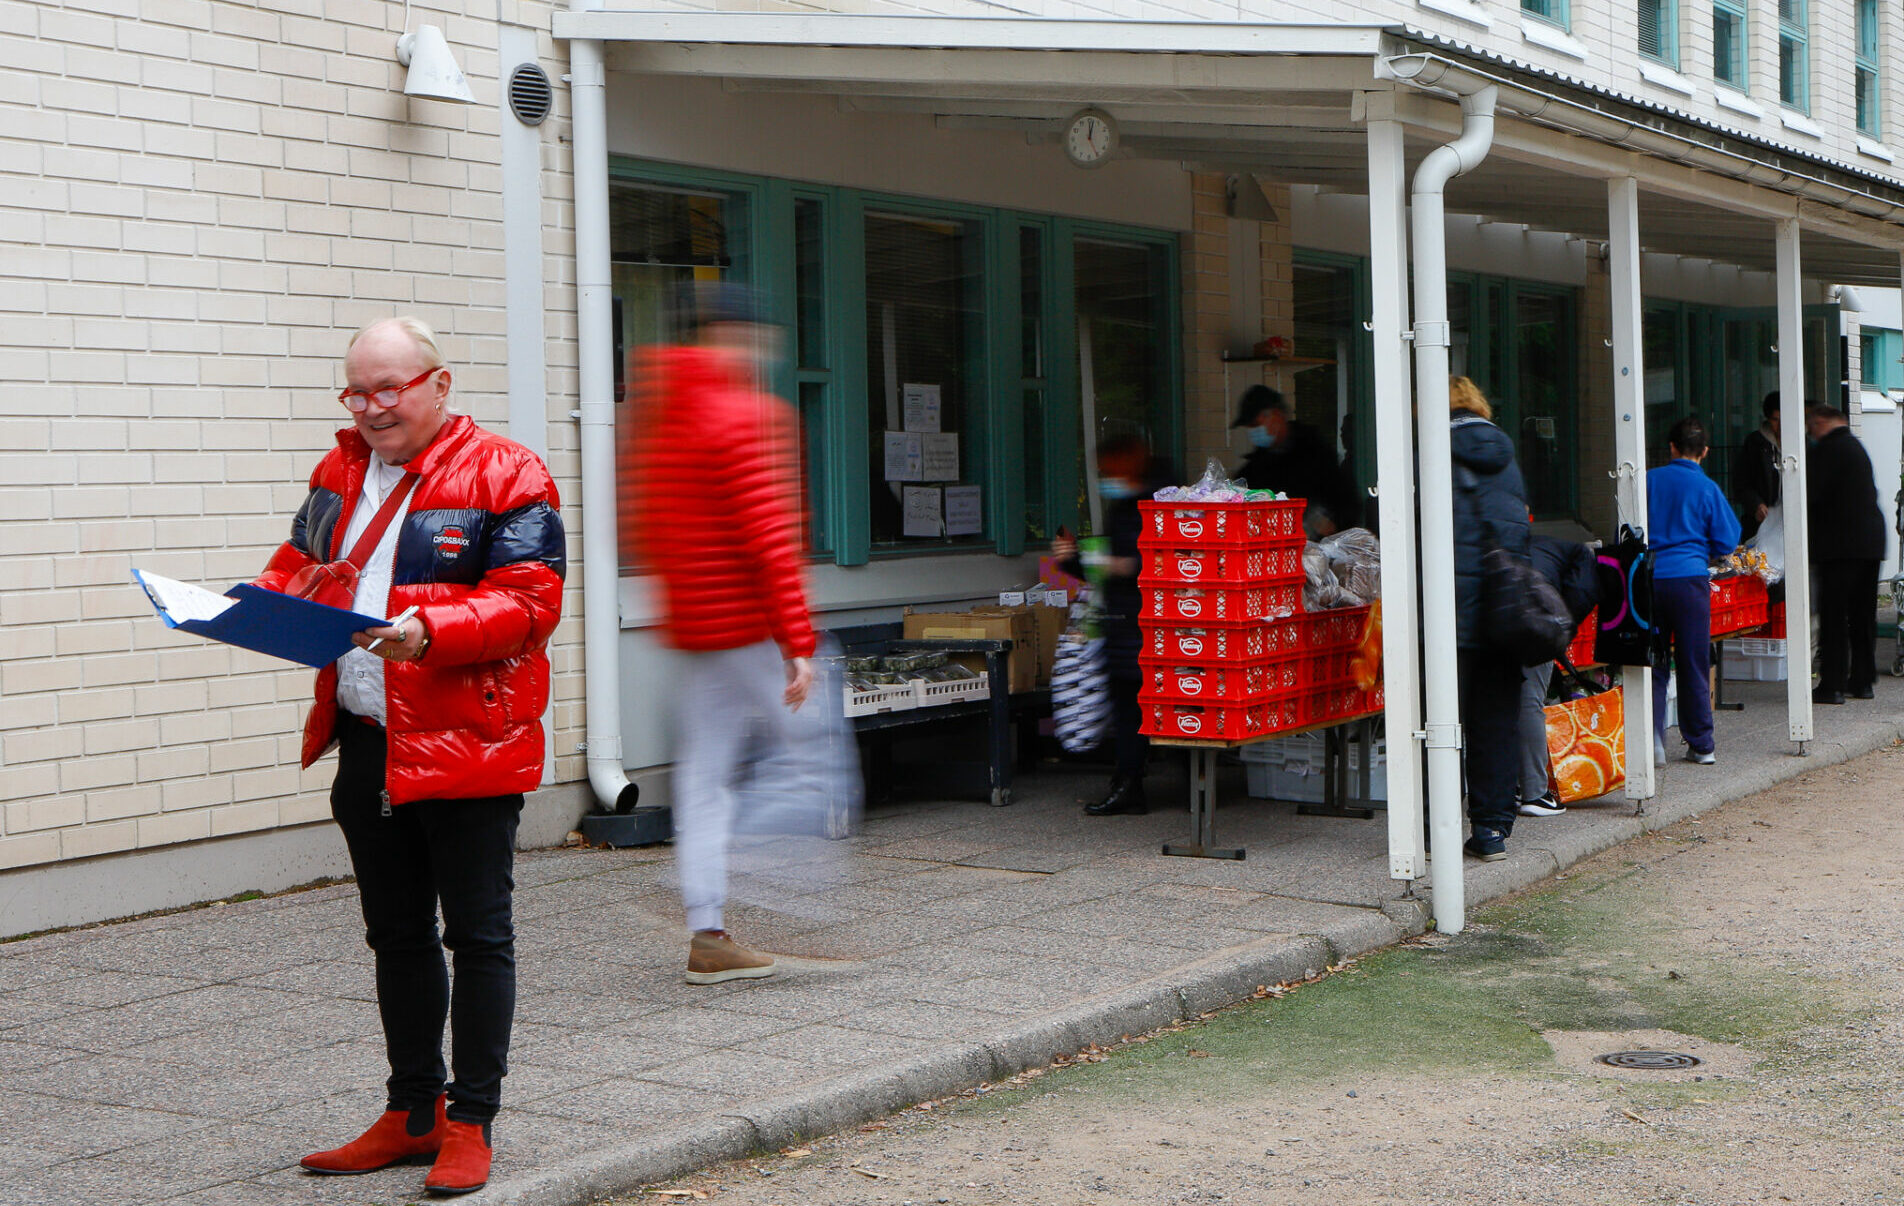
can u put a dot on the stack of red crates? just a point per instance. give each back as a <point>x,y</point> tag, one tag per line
<point>1739,603</point>
<point>1228,653</point>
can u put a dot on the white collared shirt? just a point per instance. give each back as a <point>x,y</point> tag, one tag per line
<point>360,686</point>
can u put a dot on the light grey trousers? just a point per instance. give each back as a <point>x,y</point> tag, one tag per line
<point>727,703</point>
<point>1534,682</point>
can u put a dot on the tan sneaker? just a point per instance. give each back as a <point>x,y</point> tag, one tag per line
<point>714,957</point>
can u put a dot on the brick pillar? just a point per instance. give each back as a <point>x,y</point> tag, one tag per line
<point>1206,316</point>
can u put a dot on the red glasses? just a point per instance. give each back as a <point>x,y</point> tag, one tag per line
<point>357,401</point>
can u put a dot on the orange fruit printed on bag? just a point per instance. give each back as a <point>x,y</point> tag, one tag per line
<point>1603,718</point>
<point>1579,777</point>
<point>1561,733</point>
<point>1603,757</point>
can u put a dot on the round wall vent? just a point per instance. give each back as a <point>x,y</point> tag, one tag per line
<point>530,96</point>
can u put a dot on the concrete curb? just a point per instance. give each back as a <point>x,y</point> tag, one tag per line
<point>1183,993</point>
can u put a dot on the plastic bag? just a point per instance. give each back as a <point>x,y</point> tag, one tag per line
<point>804,775</point>
<point>1216,485</point>
<point>1355,556</point>
<point>1080,692</point>
<point>1770,540</point>
<point>1321,590</point>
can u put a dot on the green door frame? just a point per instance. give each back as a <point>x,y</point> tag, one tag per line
<point>1361,366</point>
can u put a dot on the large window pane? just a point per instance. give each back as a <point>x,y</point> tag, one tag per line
<point>1121,330</point>
<point>1543,358</point>
<point>1327,322</point>
<point>660,240</point>
<point>1728,44</point>
<point>924,339</point>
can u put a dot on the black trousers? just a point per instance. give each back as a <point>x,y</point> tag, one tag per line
<point>1490,732</point>
<point>1847,625</point>
<point>1131,747</point>
<point>461,854</point>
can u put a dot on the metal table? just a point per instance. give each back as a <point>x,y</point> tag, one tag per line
<point>996,708</point>
<point>1203,756</point>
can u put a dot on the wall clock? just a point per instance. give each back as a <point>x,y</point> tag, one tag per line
<point>1090,137</point>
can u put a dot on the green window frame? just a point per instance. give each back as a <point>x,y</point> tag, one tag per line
<point>1879,363</point>
<point>1794,55</point>
<point>1729,44</point>
<point>1866,74</point>
<point>1555,11</point>
<point>803,246</point>
<point>1659,31</point>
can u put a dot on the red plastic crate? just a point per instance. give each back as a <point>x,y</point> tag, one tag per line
<point>1221,722</point>
<point>1216,644</point>
<point>1224,682</point>
<point>1213,523</point>
<point>1220,604</point>
<point>1739,603</point>
<point>1774,629</point>
<point>1222,565</point>
<point>1340,702</point>
<point>1338,628</point>
<point>1325,667</point>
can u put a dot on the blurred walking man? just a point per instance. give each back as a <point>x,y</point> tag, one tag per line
<point>1847,542</point>
<point>716,518</point>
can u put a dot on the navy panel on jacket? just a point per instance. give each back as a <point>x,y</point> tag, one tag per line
<point>311,530</point>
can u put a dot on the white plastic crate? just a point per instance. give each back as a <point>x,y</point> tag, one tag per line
<point>899,698</point>
<point>931,695</point>
<point>1742,666</point>
<point>1290,768</point>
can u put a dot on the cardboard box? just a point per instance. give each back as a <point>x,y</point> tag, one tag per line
<point>1051,622</point>
<point>988,623</point>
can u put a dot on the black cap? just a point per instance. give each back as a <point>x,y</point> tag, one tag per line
<point>1255,400</point>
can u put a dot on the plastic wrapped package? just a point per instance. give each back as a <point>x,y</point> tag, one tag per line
<point>1355,555</point>
<point>1216,485</point>
<point>1321,589</point>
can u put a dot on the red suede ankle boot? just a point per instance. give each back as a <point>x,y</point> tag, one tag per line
<point>463,1164</point>
<point>390,1140</point>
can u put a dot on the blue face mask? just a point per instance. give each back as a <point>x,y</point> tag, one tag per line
<point>1114,488</point>
<point>1262,437</point>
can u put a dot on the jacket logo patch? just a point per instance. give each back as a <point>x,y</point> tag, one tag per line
<point>450,543</point>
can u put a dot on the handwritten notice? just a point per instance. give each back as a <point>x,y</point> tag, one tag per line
<point>922,509</point>
<point>922,407</point>
<point>939,458</point>
<point>964,511</point>
<point>905,457</point>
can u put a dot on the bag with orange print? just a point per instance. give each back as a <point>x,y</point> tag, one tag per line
<point>1586,746</point>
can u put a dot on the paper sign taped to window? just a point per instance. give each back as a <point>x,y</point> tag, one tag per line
<point>922,407</point>
<point>905,457</point>
<point>922,510</point>
<point>939,457</point>
<point>964,512</point>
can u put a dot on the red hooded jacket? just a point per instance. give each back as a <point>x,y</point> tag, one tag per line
<point>481,554</point>
<point>713,505</point>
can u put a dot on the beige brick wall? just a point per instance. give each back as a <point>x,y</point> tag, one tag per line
<point>199,200</point>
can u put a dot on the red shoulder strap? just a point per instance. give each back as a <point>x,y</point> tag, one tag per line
<point>367,543</point>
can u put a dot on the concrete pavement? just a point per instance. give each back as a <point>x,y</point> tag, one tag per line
<point>192,1058</point>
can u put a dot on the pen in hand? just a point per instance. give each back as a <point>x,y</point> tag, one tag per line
<point>396,623</point>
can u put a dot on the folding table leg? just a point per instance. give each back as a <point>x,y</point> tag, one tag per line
<point>1202,810</point>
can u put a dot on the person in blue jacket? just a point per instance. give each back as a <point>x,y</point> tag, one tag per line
<point>1693,526</point>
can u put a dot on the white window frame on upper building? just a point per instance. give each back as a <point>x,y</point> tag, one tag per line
<point>1735,12</point>
<point>1867,70</point>
<point>1664,15</point>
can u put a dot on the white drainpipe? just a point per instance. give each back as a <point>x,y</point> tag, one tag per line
<point>595,338</point>
<point>1440,664</point>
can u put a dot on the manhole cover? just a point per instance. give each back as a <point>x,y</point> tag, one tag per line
<point>1649,1061</point>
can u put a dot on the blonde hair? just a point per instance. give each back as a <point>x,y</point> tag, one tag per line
<point>1465,395</point>
<point>418,331</point>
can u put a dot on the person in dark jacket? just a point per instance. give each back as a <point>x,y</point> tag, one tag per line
<point>1294,459</point>
<point>1571,567</point>
<point>1126,475</point>
<point>1846,530</point>
<point>1490,510</point>
<point>1755,477</point>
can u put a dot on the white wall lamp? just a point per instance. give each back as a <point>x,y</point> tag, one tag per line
<point>433,70</point>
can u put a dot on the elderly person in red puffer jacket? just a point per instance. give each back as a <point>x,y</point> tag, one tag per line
<point>714,514</point>
<point>437,720</point>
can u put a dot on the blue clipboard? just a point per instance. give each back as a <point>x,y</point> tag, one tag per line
<point>284,626</point>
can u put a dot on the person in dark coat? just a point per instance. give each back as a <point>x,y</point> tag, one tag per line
<point>1294,459</point>
<point>1490,510</point>
<point>1755,478</point>
<point>1126,475</point>
<point>1571,567</point>
<point>1848,540</point>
